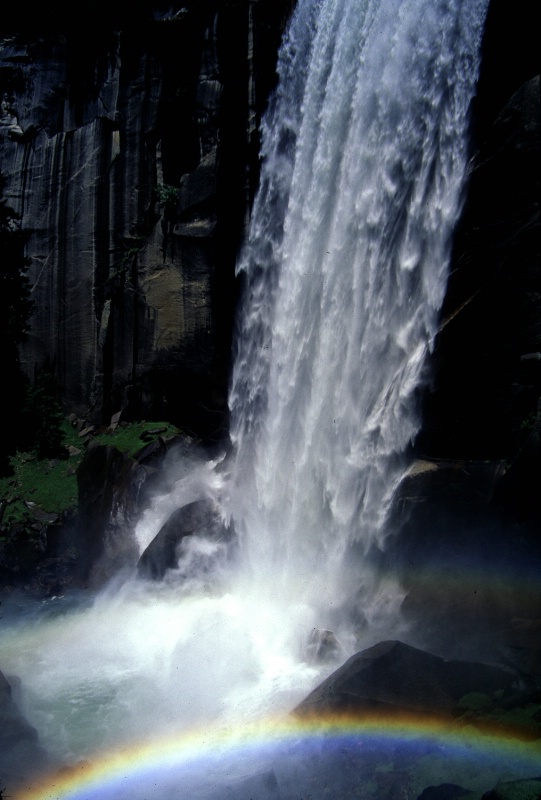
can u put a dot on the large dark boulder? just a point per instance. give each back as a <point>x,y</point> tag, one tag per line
<point>392,678</point>
<point>202,517</point>
<point>109,483</point>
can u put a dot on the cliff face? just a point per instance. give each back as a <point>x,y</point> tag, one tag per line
<point>131,154</point>
<point>487,361</point>
<point>484,404</point>
<point>131,160</point>
<point>471,500</point>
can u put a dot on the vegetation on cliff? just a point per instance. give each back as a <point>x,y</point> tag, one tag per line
<point>40,485</point>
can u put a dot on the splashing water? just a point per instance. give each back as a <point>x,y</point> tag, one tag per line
<point>364,158</point>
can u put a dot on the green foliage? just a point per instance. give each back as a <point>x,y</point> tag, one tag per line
<point>52,484</point>
<point>527,426</point>
<point>131,438</point>
<point>167,195</point>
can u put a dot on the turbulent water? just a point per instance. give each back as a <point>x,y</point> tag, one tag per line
<point>364,154</point>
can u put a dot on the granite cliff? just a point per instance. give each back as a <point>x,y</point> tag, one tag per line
<point>129,148</point>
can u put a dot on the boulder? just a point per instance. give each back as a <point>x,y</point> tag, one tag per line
<point>393,678</point>
<point>108,482</point>
<point>323,646</point>
<point>201,517</point>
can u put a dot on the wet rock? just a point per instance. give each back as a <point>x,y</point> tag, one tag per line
<point>200,517</point>
<point>109,483</point>
<point>392,677</point>
<point>147,436</point>
<point>323,646</point>
<point>151,452</point>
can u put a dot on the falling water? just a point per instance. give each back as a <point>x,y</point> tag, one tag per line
<point>345,269</point>
<point>364,153</point>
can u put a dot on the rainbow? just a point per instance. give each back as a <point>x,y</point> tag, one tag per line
<point>195,765</point>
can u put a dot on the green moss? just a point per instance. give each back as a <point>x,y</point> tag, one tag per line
<point>167,195</point>
<point>52,484</point>
<point>130,438</point>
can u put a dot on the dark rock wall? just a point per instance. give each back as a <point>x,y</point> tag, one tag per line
<point>483,405</point>
<point>485,391</point>
<point>471,502</point>
<point>133,286</point>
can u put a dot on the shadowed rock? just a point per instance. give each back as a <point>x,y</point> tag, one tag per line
<point>109,482</point>
<point>393,677</point>
<point>323,646</point>
<point>200,517</point>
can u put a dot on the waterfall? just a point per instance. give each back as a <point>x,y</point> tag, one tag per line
<point>364,158</point>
